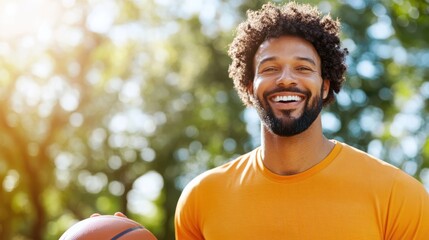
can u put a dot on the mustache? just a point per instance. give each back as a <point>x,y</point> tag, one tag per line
<point>286,89</point>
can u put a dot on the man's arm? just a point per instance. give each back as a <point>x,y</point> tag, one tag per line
<point>186,221</point>
<point>408,216</point>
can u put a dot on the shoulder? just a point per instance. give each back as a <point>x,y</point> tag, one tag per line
<point>204,190</point>
<point>405,198</point>
<point>222,173</point>
<point>213,178</point>
<point>375,170</point>
<point>361,162</point>
<point>356,155</point>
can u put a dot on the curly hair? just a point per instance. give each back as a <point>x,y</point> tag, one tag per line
<point>274,21</point>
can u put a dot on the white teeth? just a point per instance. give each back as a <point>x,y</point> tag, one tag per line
<point>287,98</point>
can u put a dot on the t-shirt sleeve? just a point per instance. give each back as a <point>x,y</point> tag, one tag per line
<point>186,217</point>
<point>408,216</point>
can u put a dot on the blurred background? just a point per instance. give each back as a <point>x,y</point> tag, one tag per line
<point>114,105</point>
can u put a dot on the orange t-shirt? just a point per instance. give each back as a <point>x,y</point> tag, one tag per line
<point>348,195</point>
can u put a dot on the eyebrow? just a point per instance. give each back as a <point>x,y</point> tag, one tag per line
<point>307,60</point>
<point>265,60</point>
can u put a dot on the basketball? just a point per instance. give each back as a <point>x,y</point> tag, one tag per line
<point>107,227</point>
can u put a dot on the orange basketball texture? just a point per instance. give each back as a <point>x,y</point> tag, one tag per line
<point>107,227</point>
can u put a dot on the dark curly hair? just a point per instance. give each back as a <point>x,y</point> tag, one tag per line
<point>274,21</point>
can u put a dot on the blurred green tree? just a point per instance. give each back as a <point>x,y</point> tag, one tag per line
<point>116,105</point>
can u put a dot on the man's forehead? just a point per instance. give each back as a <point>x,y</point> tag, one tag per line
<point>287,46</point>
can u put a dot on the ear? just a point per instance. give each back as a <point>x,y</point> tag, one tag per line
<point>326,86</point>
<point>249,92</point>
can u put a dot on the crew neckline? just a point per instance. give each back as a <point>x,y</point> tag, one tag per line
<point>299,176</point>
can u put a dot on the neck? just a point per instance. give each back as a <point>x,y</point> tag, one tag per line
<point>295,154</point>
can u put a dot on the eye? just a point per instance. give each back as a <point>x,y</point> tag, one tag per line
<point>304,69</point>
<point>268,69</point>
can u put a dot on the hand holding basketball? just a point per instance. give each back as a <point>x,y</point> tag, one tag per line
<point>110,227</point>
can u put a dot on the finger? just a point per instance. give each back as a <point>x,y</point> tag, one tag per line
<point>119,214</point>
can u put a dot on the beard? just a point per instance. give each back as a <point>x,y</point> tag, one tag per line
<point>287,125</point>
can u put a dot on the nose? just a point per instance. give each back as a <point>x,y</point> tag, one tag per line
<point>286,78</point>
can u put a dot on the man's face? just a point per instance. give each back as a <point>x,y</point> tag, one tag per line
<point>288,89</point>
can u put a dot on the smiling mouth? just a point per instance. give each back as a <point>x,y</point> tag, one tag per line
<point>287,99</point>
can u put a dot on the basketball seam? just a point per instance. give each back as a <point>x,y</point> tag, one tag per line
<point>117,236</point>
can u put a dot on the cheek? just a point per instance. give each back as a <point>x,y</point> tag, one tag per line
<point>255,86</point>
<point>255,90</point>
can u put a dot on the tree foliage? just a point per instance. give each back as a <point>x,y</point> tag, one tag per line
<point>115,105</point>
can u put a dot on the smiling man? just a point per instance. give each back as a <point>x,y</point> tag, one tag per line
<point>287,63</point>
<point>281,64</point>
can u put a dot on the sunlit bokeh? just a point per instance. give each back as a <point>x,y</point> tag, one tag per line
<point>111,105</point>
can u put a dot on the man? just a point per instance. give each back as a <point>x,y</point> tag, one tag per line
<point>287,62</point>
